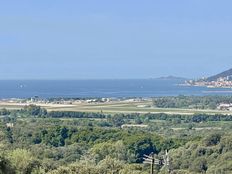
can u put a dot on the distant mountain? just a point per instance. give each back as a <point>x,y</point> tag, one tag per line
<point>172,78</point>
<point>225,74</point>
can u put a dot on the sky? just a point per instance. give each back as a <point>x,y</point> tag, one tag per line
<point>114,39</point>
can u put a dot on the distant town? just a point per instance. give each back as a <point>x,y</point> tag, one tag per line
<point>222,82</point>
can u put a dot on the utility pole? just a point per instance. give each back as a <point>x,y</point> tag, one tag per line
<point>150,160</point>
<point>166,160</point>
<point>152,164</point>
<point>159,162</point>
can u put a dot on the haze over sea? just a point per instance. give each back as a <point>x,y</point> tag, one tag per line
<point>101,88</point>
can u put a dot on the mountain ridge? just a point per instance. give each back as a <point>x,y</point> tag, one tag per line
<point>224,74</point>
<point>171,77</point>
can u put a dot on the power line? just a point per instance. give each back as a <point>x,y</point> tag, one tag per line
<point>164,161</point>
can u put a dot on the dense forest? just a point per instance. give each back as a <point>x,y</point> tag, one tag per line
<point>33,140</point>
<point>191,102</point>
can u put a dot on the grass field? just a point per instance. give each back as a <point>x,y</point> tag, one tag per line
<point>115,107</point>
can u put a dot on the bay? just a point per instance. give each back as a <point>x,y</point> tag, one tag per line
<point>102,88</point>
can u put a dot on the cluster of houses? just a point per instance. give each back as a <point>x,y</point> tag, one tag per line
<point>212,84</point>
<point>222,82</point>
<point>225,106</point>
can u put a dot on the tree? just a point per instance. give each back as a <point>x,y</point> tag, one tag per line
<point>199,165</point>
<point>117,120</point>
<point>23,161</point>
<point>116,150</point>
<point>213,139</point>
<point>5,166</point>
<point>34,110</point>
<point>140,145</point>
<point>110,165</point>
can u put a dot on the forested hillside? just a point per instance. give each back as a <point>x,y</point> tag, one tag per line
<point>33,140</point>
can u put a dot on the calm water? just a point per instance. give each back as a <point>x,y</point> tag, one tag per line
<point>102,88</point>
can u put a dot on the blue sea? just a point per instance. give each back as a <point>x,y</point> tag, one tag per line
<point>101,88</point>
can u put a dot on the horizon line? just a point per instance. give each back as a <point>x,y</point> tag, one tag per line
<point>68,79</point>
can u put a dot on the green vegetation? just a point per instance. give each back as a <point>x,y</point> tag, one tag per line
<point>191,102</point>
<point>211,154</point>
<point>35,141</point>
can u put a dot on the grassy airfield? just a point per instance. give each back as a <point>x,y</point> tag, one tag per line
<point>113,107</point>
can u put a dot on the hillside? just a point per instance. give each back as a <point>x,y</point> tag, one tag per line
<point>220,75</point>
<point>172,78</point>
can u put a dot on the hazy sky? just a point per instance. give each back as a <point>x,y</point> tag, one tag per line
<point>76,39</point>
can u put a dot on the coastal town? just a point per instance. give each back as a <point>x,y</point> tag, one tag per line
<point>222,82</point>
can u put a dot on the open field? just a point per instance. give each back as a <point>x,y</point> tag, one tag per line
<point>114,107</point>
